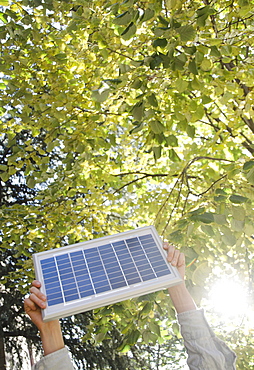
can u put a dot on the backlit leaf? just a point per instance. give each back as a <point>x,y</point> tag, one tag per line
<point>123,18</point>
<point>157,127</point>
<point>186,33</point>
<point>238,199</point>
<point>129,31</point>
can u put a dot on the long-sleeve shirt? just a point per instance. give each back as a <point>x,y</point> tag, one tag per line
<point>205,350</point>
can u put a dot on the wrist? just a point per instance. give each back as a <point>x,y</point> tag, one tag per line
<point>178,287</point>
<point>181,298</point>
<point>49,327</point>
<point>51,337</point>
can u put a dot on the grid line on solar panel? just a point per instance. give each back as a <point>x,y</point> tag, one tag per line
<point>142,262</point>
<point>53,289</point>
<point>67,277</point>
<point>112,266</point>
<point>100,269</point>
<point>133,259</point>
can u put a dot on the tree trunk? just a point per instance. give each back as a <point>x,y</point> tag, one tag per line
<point>2,354</point>
<point>30,351</point>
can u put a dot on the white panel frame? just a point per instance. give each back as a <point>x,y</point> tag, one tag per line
<point>109,297</point>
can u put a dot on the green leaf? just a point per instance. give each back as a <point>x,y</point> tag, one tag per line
<point>206,64</point>
<point>171,140</point>
<point>205,218</point>
<point>220,198</point>
<point>202,15</point>
<point>162,43</point>
<point>5,176</point>
<point>206,99</point>
<point>181,85</point>
<point>100,95</point>
<point>220,191</point>
<point>125,348</point>
<point>129,32</point>
<point>149,337</point>
<point>179,62</point>
<point>31,182</point>
<point>191,131</point>
<point>248,165</point>
<point>197,211</point>
<point>99,337</point>
<point>152,100</point>
<point>201,273</point>
<point>156,126</point>
<point>249,229</point>
<point>173,156</point>
<point>220,219</point>
<point>187,33</point>
<point>155,328</point>
<point>228,237</point>
<point>156,61</point>
<point>138,128</point>
<point>237,225</point>
<point>136,84</point>
<point>238,199</point>
<point>250,176</point>
<point>146,309</point>
<point>133,337</point>
<point>138,111</point>
<point>3,18</point>
<point>148,14</point>
<point>4,2</point>
<point>207,229</point>
<point>215,52</point>
<point>193,67</point>
<point>156,152</point>
<point>238,213</point>
<point>190,49</point>
<point>123,18</point>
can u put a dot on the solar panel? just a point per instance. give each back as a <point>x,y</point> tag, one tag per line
<point>92,274</point>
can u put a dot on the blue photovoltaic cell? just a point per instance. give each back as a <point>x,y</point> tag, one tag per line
<point>127,263</point>
<point>83,279</point>
<point>96,269</point>
<point>51,281</point>
<point>112,266</point>
<point>86,272</point>
<point>157,262</point>
<point>66,275</point>
<point>141,261</point>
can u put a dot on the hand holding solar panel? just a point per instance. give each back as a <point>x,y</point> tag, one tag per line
<point>107,270</point>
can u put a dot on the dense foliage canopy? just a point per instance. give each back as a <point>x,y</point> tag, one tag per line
<point>122,114</point>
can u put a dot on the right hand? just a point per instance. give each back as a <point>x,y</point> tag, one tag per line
<point>175,257</point>
<point>50,331</point>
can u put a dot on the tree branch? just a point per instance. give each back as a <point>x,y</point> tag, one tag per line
<point>209,188</point>
<point>129,183</point>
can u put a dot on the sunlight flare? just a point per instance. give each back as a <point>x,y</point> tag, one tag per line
<point>229,298</point>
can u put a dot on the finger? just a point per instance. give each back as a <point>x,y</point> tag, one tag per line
<point>29,305</point>
<point>38,293</point>
<point>39,302</point>
<point>170,252</point>
<point>36,283</point>
<point>181,260</point>
<point>165,245</point>
<point>174,261</point>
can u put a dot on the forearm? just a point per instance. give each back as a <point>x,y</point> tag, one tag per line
<point>181,298</point>
<point>51,337</point>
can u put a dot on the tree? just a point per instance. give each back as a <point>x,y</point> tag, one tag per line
<point>116,115</point>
